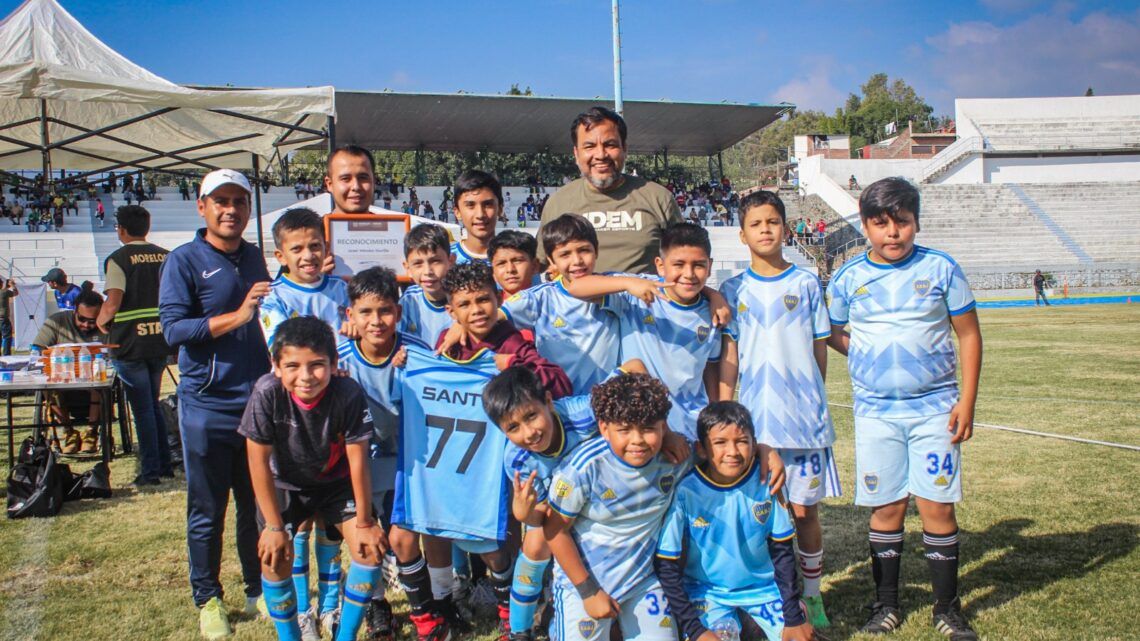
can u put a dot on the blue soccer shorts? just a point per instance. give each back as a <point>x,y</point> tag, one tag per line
<point>811,475</point>
<point>769,616</point>
<point>898,457</point>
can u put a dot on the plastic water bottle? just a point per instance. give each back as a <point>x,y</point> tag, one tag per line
<point>64,364</point>
<point>99,367</point>
<point>727,630</point>
<point>86,365</point>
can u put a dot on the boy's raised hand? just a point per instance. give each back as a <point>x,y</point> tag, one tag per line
<point>647,290</point>
<point>503,361</point>
<point>601,606</point>
<point>718,308</point>
<point>524,497</point>
<point>771,467</point>
<point>802,632</point>
<point>401,357</point>
<point>274,548</point>
<point>328,264</point>
<point>455,335</point>
<point>961,422</point>
<point>349,330</point>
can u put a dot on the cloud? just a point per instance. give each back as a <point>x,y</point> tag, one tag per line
<point>814,89</point>
<point>1010,6</point>
<point>1046,54</point>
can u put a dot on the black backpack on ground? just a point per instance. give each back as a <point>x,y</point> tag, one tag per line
<point>36,484</point>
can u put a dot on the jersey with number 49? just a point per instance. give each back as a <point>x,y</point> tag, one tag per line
<point>326,300</point>
<point>449,479</point>
<point>776,321</point>
<point>901,356</point>
<point>616,511</point>
<point>723,532</point>
<point>575,423</point>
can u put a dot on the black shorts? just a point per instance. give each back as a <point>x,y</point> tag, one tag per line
<point>334,503</point>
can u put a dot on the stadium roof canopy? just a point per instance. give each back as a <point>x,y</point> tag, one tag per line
<point>69,101</point>
<point>531,124</point>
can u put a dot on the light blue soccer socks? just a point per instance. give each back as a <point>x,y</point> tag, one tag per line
<point>281,601</point>
<point>357,593</point>
<point>301,569</point>
<point>329,572</point>
<point>525,591</point>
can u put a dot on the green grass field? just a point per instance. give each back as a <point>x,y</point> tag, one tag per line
<point>1050,528</point>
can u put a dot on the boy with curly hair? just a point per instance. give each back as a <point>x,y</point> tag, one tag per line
<point>607,502</point>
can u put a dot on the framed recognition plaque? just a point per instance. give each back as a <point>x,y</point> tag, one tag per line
<point>360,241</point>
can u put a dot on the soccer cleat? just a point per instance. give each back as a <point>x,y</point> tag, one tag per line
<point>72,442</point>
<point>504,623</point>
<point>255,607</point>
<point>447,608</point>
<point>307,621</point>
<point>817,617</point>
<point>379,621</point>
<point>953,625</point>
<point>521,636</point>
<point>212,620</point>
<point>431,627</point>
<point>482,595</point>
<point>330,620</point>
<point>884,619</point>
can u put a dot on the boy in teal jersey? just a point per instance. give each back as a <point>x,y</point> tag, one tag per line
<point>478,205</point>
<point>427,258</point>
<point>776,346</point>
<point>303,290</point>
<point>726,545</point>
<point>607,500</point>
<point>668,323</point>
<point>307,434</point>
<point>901,301</point>
<point>374,360</point>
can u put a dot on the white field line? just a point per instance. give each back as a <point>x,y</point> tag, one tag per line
<point>1063,437</point>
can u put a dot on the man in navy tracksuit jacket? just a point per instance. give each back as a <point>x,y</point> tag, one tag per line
<point>208,298</point>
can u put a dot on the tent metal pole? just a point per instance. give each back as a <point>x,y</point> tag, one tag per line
<point>257,201</point>
<point>332,134</point>
<point>720,164</point>
<point>46,153</point>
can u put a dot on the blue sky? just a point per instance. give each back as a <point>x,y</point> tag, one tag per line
<point>812,52</point>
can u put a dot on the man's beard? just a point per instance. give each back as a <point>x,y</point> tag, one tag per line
<point>603,184</point>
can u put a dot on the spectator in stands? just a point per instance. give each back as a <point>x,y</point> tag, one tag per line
<point>184,188</point>
<point>429,211</point>
<point>7,293</point>
<point>638,210</point>
<point>100,212</point>
<point>17,212</point>
<point>1039,282</point>
<point>65,293</point>
<point>57,218</point>
<point>801,227</point>
<point>820,231</point>
<point>75,324</point>
<point>852,184</point>
<point>128,184</point>
<point>299,188</point>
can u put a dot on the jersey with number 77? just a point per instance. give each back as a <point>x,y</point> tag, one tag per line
<point>450,481</point>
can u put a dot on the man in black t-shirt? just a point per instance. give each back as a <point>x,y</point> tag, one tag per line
<point>1039,289</point>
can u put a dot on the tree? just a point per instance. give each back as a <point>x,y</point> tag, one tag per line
<point>1089,92</point>
<point>515,91</point>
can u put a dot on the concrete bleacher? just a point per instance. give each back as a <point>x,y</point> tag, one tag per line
<point>1120,132</point>
<point>991,226</point>
<point>80,249</point>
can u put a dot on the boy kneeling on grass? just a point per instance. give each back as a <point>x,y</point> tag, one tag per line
<point>306,460</point>
<point>726,545</point>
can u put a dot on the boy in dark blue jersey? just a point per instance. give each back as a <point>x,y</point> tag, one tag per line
<point>307,438</point>
<point>726,544</point>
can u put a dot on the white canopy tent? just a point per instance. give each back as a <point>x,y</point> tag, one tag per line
<point>69,101</point>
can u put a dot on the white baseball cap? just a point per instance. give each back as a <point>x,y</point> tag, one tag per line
<point>220,177</point>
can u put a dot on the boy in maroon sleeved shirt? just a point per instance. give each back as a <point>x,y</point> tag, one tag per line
<point>473,302</point>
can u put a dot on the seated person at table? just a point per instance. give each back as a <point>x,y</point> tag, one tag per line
<point>71,406</point>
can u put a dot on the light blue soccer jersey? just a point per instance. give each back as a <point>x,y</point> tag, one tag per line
<point>580,337</point>
<point>676,342</point>
<point>617,511</point>
<point>421,318</point>
<point>901,356</point>
<point>328,301</point>
<point>449,479</point>
<point>723,532</point>
<point>381,384</point>
<point>775,323</point>
<point>575,423</point>
<point>462,256</point>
